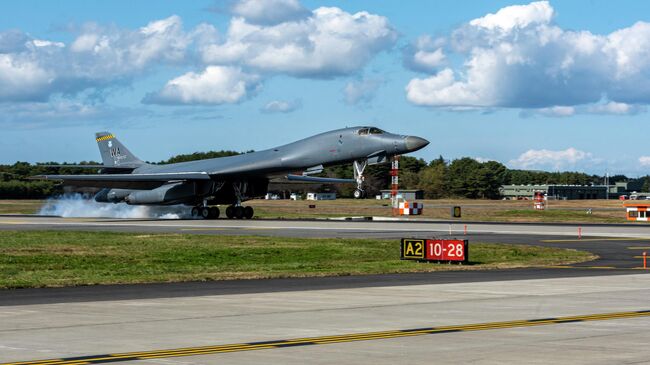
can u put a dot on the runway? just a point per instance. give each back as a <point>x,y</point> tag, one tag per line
<point>591,313</point>
<point>583,320</point>
<point>322,228</point>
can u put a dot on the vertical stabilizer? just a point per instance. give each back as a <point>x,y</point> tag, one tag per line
<point>115,153</point>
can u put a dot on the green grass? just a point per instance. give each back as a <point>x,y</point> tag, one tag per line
<point>64,258</point>
<point>555,215</point>
<point>20,206</point>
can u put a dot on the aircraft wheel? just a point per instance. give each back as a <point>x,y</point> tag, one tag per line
<point>214,212</point>
<point>358,194</point>
<point>205,212</point>
<point>248,212</point>
<point>230,212</point>
<point>238,212</point>
<point>194,212</point>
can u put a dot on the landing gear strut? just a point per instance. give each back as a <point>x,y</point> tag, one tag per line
<point>236,210</point>
<point>359,168</point>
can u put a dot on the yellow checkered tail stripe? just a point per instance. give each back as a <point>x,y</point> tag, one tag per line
<point>104,138</point>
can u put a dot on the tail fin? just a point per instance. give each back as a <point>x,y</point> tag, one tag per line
<point>114,153</point>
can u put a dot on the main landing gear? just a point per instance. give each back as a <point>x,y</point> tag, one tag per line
<point>232,212</point>
<point>239,212</point>
<point>205,212</point>
<point>236,210</point>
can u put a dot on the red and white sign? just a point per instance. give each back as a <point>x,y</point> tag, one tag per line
<point>446,250</point>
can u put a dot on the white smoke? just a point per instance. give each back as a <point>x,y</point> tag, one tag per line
<point>75,205</point>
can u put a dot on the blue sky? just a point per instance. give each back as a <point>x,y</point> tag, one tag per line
<point>539,85</point>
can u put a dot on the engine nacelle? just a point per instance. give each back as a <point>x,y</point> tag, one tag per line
<point>167,194</point>
<point>112,195</point>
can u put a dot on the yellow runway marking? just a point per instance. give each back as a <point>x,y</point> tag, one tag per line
<point>639,248</point>
<point>597,239</point>
<point>310,341</point>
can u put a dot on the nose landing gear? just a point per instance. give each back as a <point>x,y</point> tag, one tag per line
<point>359,168</point>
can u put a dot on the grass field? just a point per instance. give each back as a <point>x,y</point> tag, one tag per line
<point>602,211</point>
<point>20,206</point>
<point>64,258</point>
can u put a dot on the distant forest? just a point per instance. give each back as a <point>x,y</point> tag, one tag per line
<point>460,178</point>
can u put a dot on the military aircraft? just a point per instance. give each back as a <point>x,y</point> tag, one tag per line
<point>232,180</point>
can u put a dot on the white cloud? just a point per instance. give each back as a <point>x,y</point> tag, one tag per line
<point>281,106</point>
<point>330,42</point>
<point>516,16</point>
<point>548,159</point>
<point>216,85</point>
<point>361,91</point>
<point>269,12</point>
<point>600,108</point>
<point>483,159</point>
<point>644,160</point>
<point>426,55</point>
<point>21,78</point>
<point>518,58</point>
<point>615,108</point>
<point>35,69</point>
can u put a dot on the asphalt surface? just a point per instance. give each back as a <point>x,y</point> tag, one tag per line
<point>578,320</point>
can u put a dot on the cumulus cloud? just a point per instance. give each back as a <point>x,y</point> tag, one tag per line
<point>329,42</point>
<point>34,69</point>
<point>425,55</point>
<point>270,12</point>
<point>615,108</point>
<point>281,106</point>
<point>483,159</point>
<point>361,91</point>
<point>644,160</point>
<point>548,159</point>
<point>215,85</point>
<point>519,58</point>
<point>601,108</point>
<point>264,38</point>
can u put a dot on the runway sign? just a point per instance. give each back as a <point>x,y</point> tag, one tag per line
<point>447,250</point>
<point>413,249</point>
<point>435,250</point>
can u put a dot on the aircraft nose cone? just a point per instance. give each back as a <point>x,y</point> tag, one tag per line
<point>414,143</point>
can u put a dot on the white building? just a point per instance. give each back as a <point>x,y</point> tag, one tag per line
<point>321,196</point>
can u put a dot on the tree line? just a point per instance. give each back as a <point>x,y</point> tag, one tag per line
<point>459,178</point>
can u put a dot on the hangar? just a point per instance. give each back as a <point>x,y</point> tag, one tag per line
<point>552,191</point>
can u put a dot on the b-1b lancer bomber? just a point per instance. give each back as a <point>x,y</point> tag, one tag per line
<point>232,180</point>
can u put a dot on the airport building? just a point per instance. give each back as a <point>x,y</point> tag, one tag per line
<point>552,191</point>
<point>404,194</point>
<point>625,188</point>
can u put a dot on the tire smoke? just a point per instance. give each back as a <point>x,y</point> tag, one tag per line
<point>76,205</point>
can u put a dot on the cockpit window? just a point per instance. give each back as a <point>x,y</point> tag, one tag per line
<point>363,131</point>
<point>376,131</point>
